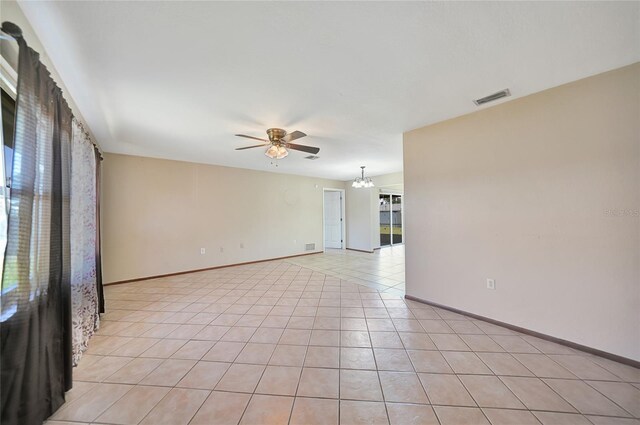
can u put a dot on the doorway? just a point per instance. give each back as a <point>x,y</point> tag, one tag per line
<point>333,217</point>
<point>390,219</point>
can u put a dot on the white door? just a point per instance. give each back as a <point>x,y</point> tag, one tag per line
<point>332,219</point>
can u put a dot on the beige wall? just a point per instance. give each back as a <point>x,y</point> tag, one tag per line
<point>157,214</point>
<point>359,217</point>
<point>541,194</point>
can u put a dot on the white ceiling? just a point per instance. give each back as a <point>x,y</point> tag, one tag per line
<point>177,79</point>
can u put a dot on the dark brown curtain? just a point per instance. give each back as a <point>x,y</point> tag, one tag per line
<point>98,236</point>
<point>35,325</point>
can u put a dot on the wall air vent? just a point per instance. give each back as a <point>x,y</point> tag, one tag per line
<point>312,157</point>
<point>492,97</point>
<point>310,247</point>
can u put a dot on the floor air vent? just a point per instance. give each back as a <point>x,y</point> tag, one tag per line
<point>492,97</point>
<point>312,157</point>
<point>310,247</point>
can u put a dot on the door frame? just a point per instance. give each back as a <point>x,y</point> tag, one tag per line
<point>391,194</point>
<point>343,244</point>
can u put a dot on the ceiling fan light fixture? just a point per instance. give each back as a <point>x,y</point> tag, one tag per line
<point>276,152</point>
<point>282,152</point>
<point>272,152</point>
<point>280,143</point>
<point>362,181</point>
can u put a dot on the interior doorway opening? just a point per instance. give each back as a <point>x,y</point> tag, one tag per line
<point>390,219</point>
<point>334,218</point>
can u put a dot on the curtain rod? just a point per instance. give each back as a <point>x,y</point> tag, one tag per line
<point>11,32</point>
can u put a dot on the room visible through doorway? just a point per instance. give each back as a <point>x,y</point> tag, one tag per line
<point>390,219</point>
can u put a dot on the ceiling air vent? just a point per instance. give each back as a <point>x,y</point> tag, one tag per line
<point>492,97</point>
<point>312,157</point>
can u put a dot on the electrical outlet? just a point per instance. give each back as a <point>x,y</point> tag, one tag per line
<point>221,249</point>
<point>241,245</point>
<point>491,284</point>
<point>203,251</point>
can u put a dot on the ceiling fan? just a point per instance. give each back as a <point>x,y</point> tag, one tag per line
<point>279,141</point>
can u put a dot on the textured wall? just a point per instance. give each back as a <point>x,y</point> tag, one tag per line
<point>541,194</point>
<point>157,214</point>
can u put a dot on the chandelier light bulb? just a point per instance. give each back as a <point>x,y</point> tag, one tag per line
<point>362,181</point>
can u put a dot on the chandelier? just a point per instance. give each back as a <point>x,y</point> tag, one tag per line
<point>362,181</point>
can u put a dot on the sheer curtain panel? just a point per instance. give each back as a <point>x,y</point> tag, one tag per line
<point>84,286</point>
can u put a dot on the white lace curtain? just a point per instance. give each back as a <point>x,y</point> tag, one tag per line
<point>84,294</point>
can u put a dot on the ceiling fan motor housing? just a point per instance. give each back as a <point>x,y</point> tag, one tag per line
<point>275,134</point>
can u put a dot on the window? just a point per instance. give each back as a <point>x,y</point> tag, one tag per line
<point>8,108</point>
<point>8,122</point>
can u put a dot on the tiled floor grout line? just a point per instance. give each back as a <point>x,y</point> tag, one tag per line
<point>411,361</point>
<point>293,403</point>
<point>606,396</point>
<point>356,271</point>
<point>339,362</point>
<point>211,392</point>
<point>515,395</point>
<point>274,284</point>
<point>412,365</point>
<point>494,374</point>
<point>375,360</point>
<point>163,386</point>
<point>560,395</point>
<point>416,404</point>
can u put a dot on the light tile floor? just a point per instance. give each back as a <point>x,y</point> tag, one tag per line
<point>382,270</point>
<point>277,343</point>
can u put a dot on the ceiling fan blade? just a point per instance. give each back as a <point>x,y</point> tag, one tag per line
<point>303,148</point>
<point>293,136</point>
<point>249,147</point>
<point>251,137</point>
